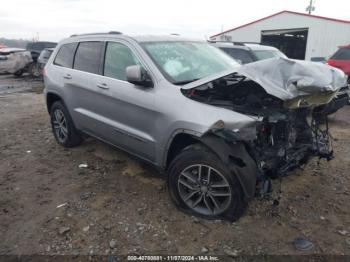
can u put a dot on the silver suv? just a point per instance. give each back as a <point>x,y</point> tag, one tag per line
<point>219,130</point>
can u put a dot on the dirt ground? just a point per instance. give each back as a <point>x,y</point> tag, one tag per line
<point>118,205</point>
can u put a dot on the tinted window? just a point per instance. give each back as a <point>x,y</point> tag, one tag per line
<point>65,55</point>
<point>118,58</point>
<point>88,57</point>
<point>342,54</point>
<point>239,54</point>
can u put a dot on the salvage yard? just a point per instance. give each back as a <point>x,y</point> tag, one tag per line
<point>95,199</point>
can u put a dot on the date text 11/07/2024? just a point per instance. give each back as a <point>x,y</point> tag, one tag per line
<point>174,258</point>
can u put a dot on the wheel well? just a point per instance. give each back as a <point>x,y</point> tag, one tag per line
<point>50,99</point>
<point>180,141</point>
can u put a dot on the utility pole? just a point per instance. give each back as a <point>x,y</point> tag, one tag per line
<point>310,8</point>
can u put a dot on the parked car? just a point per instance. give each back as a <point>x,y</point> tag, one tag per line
<point>35,49</point>
<point>43,58</point>
<point>341,59</point>
<point>248,52</point>
<point>219,130</point>
<point>14,60</point>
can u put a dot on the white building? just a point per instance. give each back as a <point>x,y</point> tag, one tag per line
<point>298,35</point>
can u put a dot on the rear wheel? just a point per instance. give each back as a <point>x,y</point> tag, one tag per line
<point>201,184</point>
<point>34,69</point>
<point>63,127</point>
<point>19,73</point>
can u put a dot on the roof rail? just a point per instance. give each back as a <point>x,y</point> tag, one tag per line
<point>110,33</point>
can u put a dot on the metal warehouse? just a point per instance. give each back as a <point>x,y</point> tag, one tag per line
<point>298,35</point>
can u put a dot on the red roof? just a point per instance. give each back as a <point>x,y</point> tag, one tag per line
<point>283,12</point>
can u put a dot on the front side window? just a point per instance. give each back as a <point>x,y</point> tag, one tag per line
<point>118,57</point>
<point>184,61</point>
<point>88,57</point>
<point>65,55</point>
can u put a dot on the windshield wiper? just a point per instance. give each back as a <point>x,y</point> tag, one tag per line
<point>184,82</point>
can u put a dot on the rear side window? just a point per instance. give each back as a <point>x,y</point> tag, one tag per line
<point>118,58</point>
<point>239,54</point>
<point>88,57</point>
<point>342,54</point>
<point>65,55</point>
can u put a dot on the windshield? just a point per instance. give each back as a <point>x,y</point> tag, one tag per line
<point>184,62</point>
<point>266,54</point>
<point>342,54</point>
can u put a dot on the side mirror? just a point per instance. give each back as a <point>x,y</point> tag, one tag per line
<point>137,75</point>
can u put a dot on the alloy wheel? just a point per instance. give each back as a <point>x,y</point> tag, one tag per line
<point>204,189</point>
<point>60,125</point>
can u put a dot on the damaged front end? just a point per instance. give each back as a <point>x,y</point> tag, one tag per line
<point>285,97</point>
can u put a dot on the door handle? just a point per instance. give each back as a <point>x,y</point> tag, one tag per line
<point>102,86</point>
<point>67,76</point>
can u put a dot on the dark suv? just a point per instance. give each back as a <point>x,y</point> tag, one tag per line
<point>35,49</point>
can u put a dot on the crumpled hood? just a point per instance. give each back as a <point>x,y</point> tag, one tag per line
<point>287,78</point>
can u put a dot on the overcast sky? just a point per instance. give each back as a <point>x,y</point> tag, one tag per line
<point>57,19</point>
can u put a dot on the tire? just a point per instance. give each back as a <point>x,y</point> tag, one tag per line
<point>18,73</point>
<point>34,69</point>
<point>63,128</point>
<point>182,173</point>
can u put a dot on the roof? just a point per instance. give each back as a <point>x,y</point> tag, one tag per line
<point>245,46</point>
<point>260,47</point>
<point>11,50</point>
<point>138,38</point>
<point>284,12</point>
<point>165,38</point>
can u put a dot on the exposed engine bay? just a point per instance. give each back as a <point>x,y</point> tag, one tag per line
<point>285,137</point>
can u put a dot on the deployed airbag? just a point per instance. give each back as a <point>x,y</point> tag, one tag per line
<point>288,79</point>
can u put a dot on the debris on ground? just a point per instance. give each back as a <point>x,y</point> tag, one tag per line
<point>62,205</point>
<point>303,244</point>
<point>63,230</point>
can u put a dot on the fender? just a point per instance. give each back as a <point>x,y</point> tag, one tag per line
<point>239,161</point>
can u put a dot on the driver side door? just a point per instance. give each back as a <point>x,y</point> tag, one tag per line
<point>128,110</point>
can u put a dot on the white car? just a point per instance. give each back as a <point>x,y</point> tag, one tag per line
<point>14,60</point>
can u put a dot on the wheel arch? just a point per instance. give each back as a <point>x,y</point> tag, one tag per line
<point>51,98</point>
<point>178,142</point>
<point>237,158</point>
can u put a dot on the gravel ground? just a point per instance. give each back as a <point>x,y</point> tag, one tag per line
<point>119,205</point>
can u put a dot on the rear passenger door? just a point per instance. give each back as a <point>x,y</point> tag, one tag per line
<point>81,86</point>
<point>127,109</point>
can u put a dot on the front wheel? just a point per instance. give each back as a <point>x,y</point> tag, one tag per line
<point>202,185</point>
